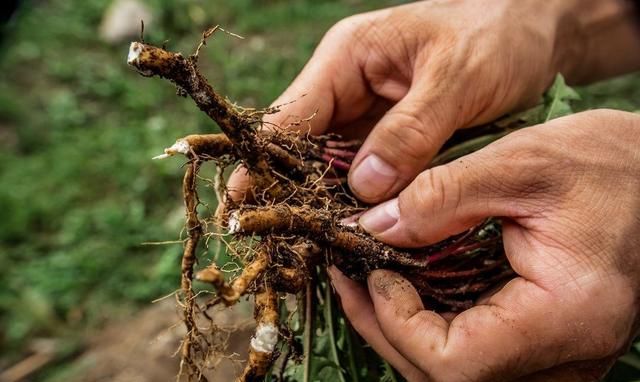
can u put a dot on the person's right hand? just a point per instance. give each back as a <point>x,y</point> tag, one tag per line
<point>407,77</point>
<point>567,194</point>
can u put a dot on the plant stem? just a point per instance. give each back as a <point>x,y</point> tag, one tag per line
<point>308,329</point>
<point>389,373</point>
<point>329,316</point>
<point>355,376</point>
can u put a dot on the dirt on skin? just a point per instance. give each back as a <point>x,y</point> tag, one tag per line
<point>143,348</point>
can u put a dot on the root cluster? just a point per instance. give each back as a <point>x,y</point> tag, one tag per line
<point>293,222</point>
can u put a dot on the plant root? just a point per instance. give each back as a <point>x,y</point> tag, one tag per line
<point>301,218</point>
<point>263,343</point>
<point>231,293</point>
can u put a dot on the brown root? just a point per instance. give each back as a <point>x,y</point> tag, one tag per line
<point>301,219</point>
<point>150,60</point>
<point>190,343</point>
<point>263,343</point>
<point>321,225</point>
<point>230,293</point>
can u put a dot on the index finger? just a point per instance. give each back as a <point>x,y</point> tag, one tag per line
<point>330,86</point>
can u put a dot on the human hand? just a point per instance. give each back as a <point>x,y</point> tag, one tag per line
<point>407,77</point>
<point>569,193</point>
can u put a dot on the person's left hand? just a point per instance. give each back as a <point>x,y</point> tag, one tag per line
<point>569,195</point>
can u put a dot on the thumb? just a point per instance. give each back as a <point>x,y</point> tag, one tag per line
<point>403,142</point>
<point>505,179</point>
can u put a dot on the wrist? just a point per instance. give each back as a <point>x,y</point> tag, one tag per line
<point>595,39</point>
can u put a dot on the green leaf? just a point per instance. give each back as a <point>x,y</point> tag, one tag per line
<point>557,99</point>
<point>329,318</point>
<point>631,359</point>
<point>294,372</point>
<point>388,374</point>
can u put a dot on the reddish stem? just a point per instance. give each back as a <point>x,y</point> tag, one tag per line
<point>343,144</point>
<point>339,153</point>
<point>336,163</point>
<point>457,249</point>
<point>442,274</point>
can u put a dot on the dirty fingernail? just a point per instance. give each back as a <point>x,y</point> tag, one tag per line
<point>380,218</point>
<point>350,221</point>
<point>373,177</point>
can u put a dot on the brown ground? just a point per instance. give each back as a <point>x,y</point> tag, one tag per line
<point>141,349</point>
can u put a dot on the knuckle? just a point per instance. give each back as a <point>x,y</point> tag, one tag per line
<point>434,189</point>
<point>411,137</point>
<point>348,37</point>
<point>347,26</point>
<point>621,121</point>
<point>527,167</point>
<point>524,144</point>
<point>595,119</point>
<point>603,114</point>
<point>432,192</point>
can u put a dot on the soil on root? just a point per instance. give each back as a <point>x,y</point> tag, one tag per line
<point>297,219</point>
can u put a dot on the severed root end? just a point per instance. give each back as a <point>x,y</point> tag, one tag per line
<point>201,146</point>
<point>233,223</point>
<point>263,343</point>
<point>265,339</point>
<point>180,147</point>
<point>134,54</point>
<point>301,214</point>
<point>149,60</point>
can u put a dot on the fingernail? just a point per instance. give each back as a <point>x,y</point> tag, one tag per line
<point>373,177</point>
<point>380,218</point>
<point>350,221</point>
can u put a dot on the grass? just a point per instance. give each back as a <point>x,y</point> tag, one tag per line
<point>77,130</point>
<point>78,193</point>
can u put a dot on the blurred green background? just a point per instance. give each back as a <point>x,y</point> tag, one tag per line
<point>79,194</point>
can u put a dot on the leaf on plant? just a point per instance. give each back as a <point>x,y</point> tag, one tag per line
<point>388,375</point>
<point>557,100</point>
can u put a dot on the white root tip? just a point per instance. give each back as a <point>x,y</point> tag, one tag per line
<point>133,58</point>
<point>265,339</point>
<point>134,52</point>
<point>180,147</point>
<point>234,222</point>
<point>161,156</point>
